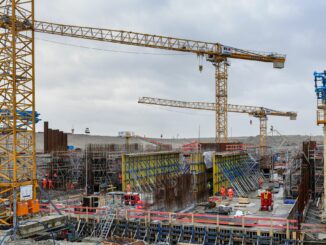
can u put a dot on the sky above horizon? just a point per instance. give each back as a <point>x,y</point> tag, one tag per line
<point>83,83</point>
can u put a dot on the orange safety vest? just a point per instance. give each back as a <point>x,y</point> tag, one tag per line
<point>230,192</point>
<point>128,189</point>
<point>44,183</point>
<point>223,191</point>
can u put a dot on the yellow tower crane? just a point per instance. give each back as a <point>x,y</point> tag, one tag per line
<point>17,140</point>
<point>255,111</point>
<point>215,53</point>
<point>17,107</point>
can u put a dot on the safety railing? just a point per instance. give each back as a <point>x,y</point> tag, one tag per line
<point>185,218</point>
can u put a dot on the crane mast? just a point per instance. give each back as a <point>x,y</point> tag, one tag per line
<point>215,53</point>
<point>17,117</point>
<point>256,111</point>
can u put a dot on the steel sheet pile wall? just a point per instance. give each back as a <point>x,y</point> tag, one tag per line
<point>235,169</point>
<point>160,174</point>
<point>54,140</point>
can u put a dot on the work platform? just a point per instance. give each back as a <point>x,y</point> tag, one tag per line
<point>280,209</point>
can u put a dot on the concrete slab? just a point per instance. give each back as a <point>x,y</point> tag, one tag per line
<point>280,210</point>
<point>41,224</point>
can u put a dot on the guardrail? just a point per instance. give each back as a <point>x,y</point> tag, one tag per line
<point>262,223</point>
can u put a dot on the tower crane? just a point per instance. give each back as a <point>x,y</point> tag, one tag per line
<point>256,111</point>
<point>17,83</point>
<point>215,53</point>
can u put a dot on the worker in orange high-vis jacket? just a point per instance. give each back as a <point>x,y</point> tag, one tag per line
<point>223,192</point>
<point>128,188</point>
<point>44,183</point>
<point>261,181</point>
<point>230,193</point>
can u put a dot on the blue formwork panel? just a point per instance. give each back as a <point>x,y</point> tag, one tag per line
<point>187,234</point>
<point>239,236</point>
<point>175,233</point>
<point>132,228</point>
<point>163,233</point>
<point>153,232</point>
<point>211,236</point>
<point>199,234</point>
<point>141,231</point>
<point>290,242</point>
<point>266,240</point>
<point>224,235</point>
<point>120,228</point>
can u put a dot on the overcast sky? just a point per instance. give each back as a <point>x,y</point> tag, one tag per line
<point>85,87</point>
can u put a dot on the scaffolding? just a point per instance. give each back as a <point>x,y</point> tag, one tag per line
<point>65,170</point>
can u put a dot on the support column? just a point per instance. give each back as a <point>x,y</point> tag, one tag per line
<point>221,100</point>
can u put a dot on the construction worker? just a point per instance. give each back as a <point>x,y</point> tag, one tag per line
<point>50,184</point>
<point>261,181</point>
<point>223,192</point>
<point>128,188</point>
<point>230,193</point>
<point>44,183</point>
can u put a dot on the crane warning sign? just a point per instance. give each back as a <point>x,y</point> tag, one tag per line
<point>26,192</point>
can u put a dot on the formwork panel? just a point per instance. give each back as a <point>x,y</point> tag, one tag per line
<point>197,164</point>
<point>235,169</point>
<point>143,169</point>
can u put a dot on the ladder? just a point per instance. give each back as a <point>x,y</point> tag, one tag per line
<point>107,222</point>
<point>103,228</point>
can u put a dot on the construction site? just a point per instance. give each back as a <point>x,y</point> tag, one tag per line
<point>58,186</point>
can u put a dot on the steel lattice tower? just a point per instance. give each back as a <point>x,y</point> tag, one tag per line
<point>17,127</point>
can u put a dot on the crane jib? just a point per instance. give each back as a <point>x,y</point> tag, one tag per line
<point>216,50</point>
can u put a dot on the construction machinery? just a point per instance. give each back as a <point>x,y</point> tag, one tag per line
<point>255,111</point>
<point>266,201</point>
<point>17,63</point>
